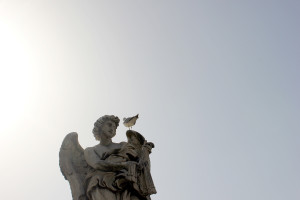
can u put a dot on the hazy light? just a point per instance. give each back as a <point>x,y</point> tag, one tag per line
<point>14,77</point>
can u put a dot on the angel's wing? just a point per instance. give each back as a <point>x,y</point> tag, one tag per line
<point>73,165</point>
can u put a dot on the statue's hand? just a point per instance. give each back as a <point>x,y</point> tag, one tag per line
<point>129,173</point>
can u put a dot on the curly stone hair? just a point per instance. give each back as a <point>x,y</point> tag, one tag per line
<point>98,124</point>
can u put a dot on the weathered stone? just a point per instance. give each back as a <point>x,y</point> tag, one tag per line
<point>108,171</point>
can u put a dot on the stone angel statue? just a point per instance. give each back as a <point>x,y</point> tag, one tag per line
<point>108,171</point>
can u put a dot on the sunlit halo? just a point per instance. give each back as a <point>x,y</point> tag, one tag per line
<point>14,78</point>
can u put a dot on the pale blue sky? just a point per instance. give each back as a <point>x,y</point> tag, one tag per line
<point>216,84</point>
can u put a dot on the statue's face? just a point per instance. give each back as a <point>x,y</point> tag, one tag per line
<point>109,129</point>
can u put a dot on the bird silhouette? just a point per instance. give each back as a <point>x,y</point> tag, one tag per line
<point>130,121</point>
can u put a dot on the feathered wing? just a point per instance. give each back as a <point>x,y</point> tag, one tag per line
<point>73,165</point>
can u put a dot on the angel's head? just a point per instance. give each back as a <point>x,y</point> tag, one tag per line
<point>106,126</point>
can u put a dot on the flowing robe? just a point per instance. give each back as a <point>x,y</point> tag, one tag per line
<point>106,185</point>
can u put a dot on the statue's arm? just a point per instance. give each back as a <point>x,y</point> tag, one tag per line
<point>95,162</point>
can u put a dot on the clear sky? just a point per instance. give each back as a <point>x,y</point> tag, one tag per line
<point>216,84</point>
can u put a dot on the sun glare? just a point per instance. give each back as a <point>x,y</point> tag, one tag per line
<point>14,77</point>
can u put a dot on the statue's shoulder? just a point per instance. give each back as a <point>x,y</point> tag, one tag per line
<point>93,149</point>
<point>88,150</point>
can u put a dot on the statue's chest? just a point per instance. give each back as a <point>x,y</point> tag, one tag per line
<point>100,151</point>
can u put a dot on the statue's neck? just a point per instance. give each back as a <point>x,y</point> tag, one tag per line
<point>105,141</point>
